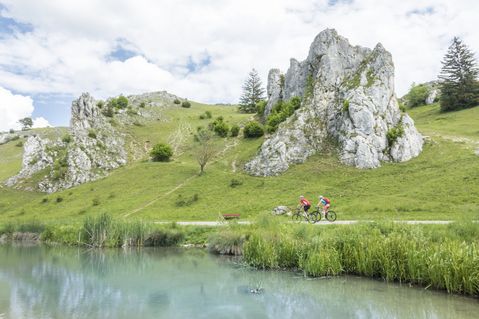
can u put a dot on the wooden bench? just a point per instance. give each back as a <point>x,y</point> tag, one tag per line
<point>231,216</point>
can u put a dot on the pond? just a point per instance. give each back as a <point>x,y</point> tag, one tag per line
<point>61,282</point>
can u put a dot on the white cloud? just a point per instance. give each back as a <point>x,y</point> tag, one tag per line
<point>12,108</point>
<point>68,50</point>
<point>40,122</point>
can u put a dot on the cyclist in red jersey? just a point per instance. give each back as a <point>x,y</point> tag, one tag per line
<point>305,204</point>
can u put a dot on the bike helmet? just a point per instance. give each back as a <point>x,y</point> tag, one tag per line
<point>320,196</point>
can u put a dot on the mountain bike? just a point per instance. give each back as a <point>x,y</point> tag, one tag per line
<point>330,215</point>
<point>300,215</point>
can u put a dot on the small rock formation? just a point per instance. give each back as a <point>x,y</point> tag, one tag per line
<point>92,148</point>
<point>348,102</point>
<point>433,95</point>
<point>7,137</point>
<point>281,210</point>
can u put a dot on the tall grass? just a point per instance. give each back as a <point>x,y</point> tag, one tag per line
<point>403,253</point>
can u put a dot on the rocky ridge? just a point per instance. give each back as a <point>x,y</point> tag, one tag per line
<point>348,101</point>
<point>94,145</point>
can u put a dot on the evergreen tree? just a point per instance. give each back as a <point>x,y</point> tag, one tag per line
<point>253,93</point>
<point>458,78</point>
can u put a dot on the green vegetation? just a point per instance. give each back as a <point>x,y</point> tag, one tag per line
<point>437,256</point>
<point>459,84</point>
<point>346,106</point>
<point>161,152</point>
<point>26,123</point>
<point>120,102</point>
<point>92,133</point>
<point>253,130</point>
<point>206,115</point>
<point>67,138</point>
<point>186,104</point>
<point>417,95</point>
<point>394,133</point>
<point>234,131</point>
<point>219,127</point>
<point>253,93</point>
<point>280,112</point>
<point>177,101</point>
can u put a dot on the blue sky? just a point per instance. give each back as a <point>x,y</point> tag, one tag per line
<point>52,51</point>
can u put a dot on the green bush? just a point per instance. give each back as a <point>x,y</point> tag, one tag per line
<point>142,105</point>
<point>235,183</point>
<point>234,131</point>
<point>59,199</point>
<point>181,201</point>
<point>96,201</point>
<point>186,104</point>
<point>208,114</point>
<point>108,111</point>
<point>260,107</point>
<point>164,238</point>
<point>161,152</point>
<point>280,112</point>
<point>417,95</point>
<point>176,101</point>
<point>121,102</point>
<point>91,133</point>
<point>19,144</point>
<point>66,138</point>
<point>253,130</point>
<point>394,133</point>
<point>100,104</point>
<point>346,106</point>
<point>221,129</point>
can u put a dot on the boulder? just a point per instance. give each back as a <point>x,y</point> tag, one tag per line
<point>348,100</point>
<point>273,89</point>
<point>281,210</point>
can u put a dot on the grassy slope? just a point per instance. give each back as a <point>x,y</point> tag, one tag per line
<point>442,183</point>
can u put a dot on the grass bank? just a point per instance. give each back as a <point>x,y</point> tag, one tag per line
<point>437,256</point>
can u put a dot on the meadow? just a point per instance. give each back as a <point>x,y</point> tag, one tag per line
<point>441,184</point>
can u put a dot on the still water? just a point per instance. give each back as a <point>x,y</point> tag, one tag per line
<point>42,282</point>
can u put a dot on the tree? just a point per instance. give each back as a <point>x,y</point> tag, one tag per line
<point>206,150</point>
<point>458,78</point>
<point>253,93</point>
<point>417,95</point>
<point>122,102</point>
<point>26,122</point>
<point>161,152</point>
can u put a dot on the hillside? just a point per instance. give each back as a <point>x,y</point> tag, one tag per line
<point>441,183</point>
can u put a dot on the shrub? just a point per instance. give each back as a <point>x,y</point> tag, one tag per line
<point>208,114</point>
<point>108,111</point>
<point>121,102</point>
<point>221,129</point>
<point>44,200</point>
<point>66,138</point>
<point>202,116</point>
<point>59,199</point>
<point>100,104</point>
<point>186,104</point>
<point>260,107</point>
<point>181,201</point>
<point>346,106</point>
<point>234,131</point>
<point>417,95</point>
<point>280,112</point>
<point>164,238</point>
<point>91,133</point>
<point>161,152</point>
<point>235,183</point>
<point>142,105</point>
<point>253,130</point>
<point>394,133</point>
<point>96,201</point>
<point>130,111</point>
<point>19,144</point>
<point>176,101</point>
<point>12,131</point>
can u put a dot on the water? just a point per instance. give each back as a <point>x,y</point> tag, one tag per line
<point>42,282</point>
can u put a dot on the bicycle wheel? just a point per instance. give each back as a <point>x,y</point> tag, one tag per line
<point>297,217</point>
<point>331,216</point>
<point>314,217</point>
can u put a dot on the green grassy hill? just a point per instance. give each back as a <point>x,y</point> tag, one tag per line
<point>442,183</point>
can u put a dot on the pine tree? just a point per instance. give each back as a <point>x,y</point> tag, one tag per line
<point>253,93</point>
<point>458,78</point>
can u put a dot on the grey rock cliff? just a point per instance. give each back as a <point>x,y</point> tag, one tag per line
<point>93,149</point>
<point>348,100</point>
<point>273,90</point>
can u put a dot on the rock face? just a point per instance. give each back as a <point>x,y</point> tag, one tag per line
<point>348,101</point>
<point>432,97</point>
<point>273,89</point>
<point>91,149</point>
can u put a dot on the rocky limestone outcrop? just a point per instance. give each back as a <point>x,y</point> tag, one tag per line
<point>91,149</point>
<point>348,101</point>
<point>273,89</point>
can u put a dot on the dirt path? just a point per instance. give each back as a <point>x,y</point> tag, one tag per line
<point>321,223</point>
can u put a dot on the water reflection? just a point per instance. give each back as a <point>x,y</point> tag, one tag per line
<point>42,282</point>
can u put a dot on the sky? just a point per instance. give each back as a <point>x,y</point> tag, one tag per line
<point>52,51</point>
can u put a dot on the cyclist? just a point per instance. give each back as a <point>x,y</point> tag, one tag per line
<point>304,203</point>
<point>326,203</point>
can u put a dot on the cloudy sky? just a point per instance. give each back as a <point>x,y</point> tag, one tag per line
<point>51,51</point>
